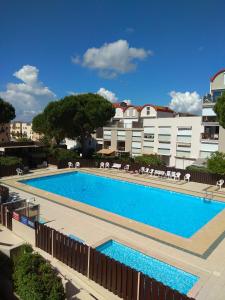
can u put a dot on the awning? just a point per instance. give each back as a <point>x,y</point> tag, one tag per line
<point>106,151</point>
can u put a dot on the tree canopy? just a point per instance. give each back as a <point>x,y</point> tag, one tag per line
<point>7,112</point>
<point>219,109</point>
<point>216,163</point>
<point>75,117</point>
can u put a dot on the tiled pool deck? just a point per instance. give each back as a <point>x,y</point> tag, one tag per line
<point>200,255</point>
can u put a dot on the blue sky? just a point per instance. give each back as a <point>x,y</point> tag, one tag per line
<point>151,48</point>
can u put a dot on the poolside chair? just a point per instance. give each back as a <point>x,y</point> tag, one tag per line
<point>220,183</point>
<point>173,175</point>
<point>141,170</point>
<point>126,168</point>
<point>151,172</point>
<point>70,164</point>
<point>19,171</point>
<point>77,164</point>
<point>177,176</point>
<point>146,171</point>
<point>168,174</point>
<point>107,165</point>
<point>161,173</point>
<point>102,165</point>
<point>187,177</point>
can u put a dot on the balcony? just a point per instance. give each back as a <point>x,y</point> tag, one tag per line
<point>209,119</point>
<point>210,136</point>
<point>124,125</point>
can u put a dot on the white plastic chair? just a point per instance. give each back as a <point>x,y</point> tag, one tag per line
<point>151,172</point>
<point>102,165</point>
<point>77,164</point>
<point>146,171</point>
<point>187,177</point>
<point>168,174</point>
<point>126,168</point>
<point>177,176</point>
<point>70,164</point>
<point>107,165</point>
<point>173,175</point>
<point>19,171</point>
<point>141,170</point>
<point>220,183</point>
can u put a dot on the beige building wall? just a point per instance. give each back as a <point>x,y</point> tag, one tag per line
<point>222,140</point>
<point>23,231</point>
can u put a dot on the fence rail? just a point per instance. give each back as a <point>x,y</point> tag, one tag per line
<point>121,280</point>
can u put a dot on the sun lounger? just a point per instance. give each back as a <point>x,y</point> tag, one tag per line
<point>146,171</point>
<point>151,172</point>
<point>116,166</point>
<point>168,174</point>
<point>220,183</point>
<point>173,175</point>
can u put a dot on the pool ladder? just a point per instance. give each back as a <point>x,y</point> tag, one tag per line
<point>208,196</point>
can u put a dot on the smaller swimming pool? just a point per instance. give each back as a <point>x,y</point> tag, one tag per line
<point>154,268</point>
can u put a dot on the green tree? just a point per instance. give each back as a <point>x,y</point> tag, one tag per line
<point>75,117</point>
<point>34,278</point>
<point>219,109</point>
<point>7,112</point>
<point>216,163</point>
<point>151,159</point>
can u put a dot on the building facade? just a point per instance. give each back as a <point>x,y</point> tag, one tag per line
<point>153,130</point>
<point>23,130</point>
<point>180,139</point>
<point>213,135</point>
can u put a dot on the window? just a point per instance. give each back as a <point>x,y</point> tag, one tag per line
<point>148,110</point>
<point>149,136</point>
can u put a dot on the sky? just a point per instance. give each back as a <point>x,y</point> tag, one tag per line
<point>157,52</point>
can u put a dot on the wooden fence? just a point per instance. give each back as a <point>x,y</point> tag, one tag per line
<point>4,193</point>
<point>121,280</point>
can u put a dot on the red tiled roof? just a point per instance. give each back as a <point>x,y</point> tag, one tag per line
<point>139,108</point>
<point>218,73</point>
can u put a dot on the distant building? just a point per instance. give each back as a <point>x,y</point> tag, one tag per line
<point>23,130</point>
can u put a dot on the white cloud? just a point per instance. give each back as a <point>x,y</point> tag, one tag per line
<point>28,97</point>
<point>107,95</point>
<point>189,102</point>
<point>113,58</point>
<point>110,96</point>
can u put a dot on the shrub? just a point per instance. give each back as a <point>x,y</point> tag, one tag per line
<point>197,169</point>
<point>34,278</point>
<point>10,161</point>
<point>63,154</point>
<point>216,163</point>
<point>152,159</point>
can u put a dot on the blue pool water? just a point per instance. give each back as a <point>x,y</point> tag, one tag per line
<point>167,274</point>
<point>173,212</point>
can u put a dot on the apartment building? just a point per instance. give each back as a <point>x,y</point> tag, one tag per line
<point>23,129</point>
<point>153,129</point>
<point>213,135</point>
<point>4,133</point>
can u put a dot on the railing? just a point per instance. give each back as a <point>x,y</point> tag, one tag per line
<point>209,119</point>
<point>121,280</point>
<point>210,136</point>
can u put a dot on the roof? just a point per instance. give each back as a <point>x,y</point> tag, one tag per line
<point>218,73</point>
<point>139,108</point>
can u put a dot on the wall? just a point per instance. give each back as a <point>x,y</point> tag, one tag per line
<point>23,231</point>
<point>219,82</point>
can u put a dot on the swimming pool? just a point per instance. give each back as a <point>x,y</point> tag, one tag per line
<point>154,268</point>
<point>177,213</point>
